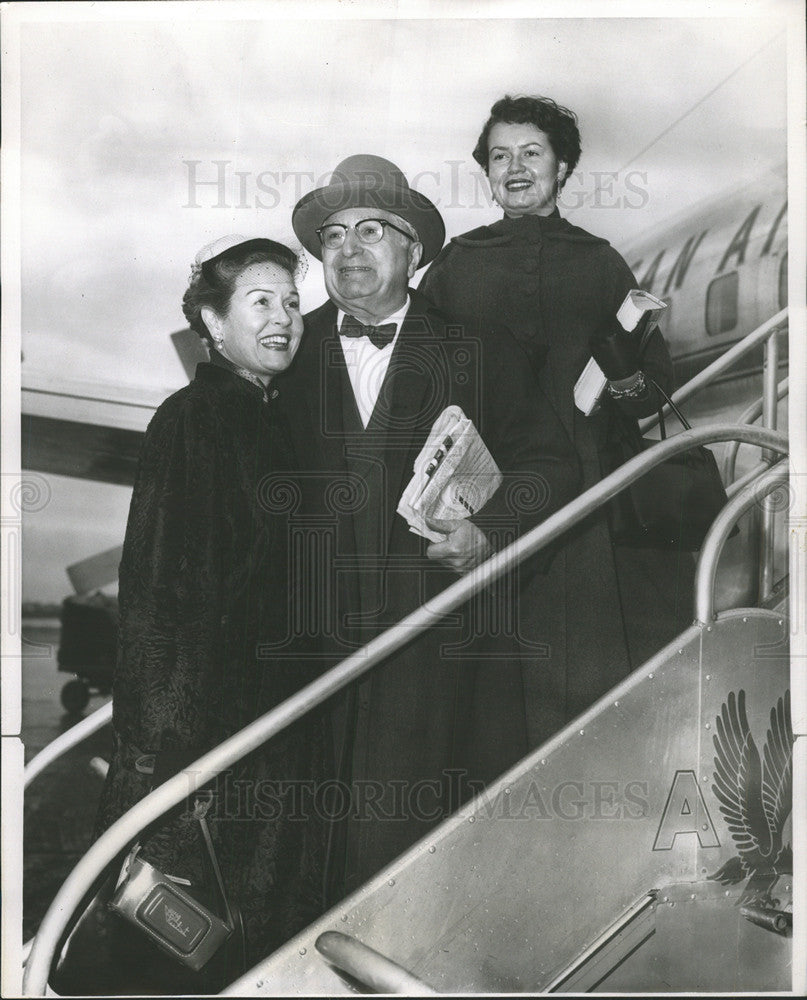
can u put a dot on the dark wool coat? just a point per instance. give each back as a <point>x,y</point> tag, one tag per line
<point>204,648</point>
<point>450,708</point>
<point>601,610</point>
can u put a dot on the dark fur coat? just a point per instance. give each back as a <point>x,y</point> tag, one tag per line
<point>205,648</point>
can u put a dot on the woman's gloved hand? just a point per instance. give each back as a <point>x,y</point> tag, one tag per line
<point>615,350</point>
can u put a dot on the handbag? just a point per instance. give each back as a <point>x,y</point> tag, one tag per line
<point>108,947</point>
<point>168,915</point>
<point>674,504</point>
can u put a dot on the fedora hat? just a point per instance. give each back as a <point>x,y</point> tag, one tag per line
<point>365,181</point>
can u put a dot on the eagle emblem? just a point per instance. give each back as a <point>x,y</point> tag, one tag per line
<point>755,796</point>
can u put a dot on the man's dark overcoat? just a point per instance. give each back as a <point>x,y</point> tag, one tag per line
<point>454,700</point>
<point>601,609</point>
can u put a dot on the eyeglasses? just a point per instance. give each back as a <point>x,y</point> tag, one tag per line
<point>333,234</point>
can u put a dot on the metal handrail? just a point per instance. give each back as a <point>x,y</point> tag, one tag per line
<point>67,741</point>
<point>720,531</point>
<point>722,364</point>
<point>739,484</point>
<point>767,520</point>
<point>176,789</point>
<point>369,966</point>
<point>599,942</point>
<point>748,416</point>
<point>766,333</point>
<point>85,728</point>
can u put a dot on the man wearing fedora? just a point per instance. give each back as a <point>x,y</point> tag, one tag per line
<point>377,366</point>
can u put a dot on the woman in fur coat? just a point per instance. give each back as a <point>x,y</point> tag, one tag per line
<point>205,628</point>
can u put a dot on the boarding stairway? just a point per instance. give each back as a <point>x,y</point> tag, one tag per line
<point>614,857</point>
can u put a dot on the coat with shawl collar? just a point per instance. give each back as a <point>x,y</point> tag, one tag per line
<point>601,610</point>
<point>453,698</point>
<point>552,285</point>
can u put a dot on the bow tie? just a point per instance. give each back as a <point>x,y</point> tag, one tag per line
<point>379,336</point>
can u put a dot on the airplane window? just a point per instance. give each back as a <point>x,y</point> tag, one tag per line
<point>721,304</point>
<point>783,283</point>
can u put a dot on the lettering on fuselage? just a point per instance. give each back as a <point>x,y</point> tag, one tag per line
<point>679,269</point>
<point>739,242</point>
<point>685,812</point>
<point>735,252</point>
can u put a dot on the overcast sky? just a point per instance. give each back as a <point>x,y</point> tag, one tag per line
<point>123,121</point>
<point>124,126</point>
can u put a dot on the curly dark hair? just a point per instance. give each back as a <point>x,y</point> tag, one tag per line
<point>559,124</point>
<point>213,283</point>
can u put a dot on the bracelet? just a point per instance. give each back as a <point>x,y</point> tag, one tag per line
<point>638,387</point>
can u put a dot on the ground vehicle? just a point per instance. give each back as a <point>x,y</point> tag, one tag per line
<point>88,642</point>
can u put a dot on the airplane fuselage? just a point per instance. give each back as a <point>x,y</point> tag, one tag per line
<point>721,268</point>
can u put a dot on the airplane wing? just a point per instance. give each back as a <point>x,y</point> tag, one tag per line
<point>92,430</point>
<point>82,429</point>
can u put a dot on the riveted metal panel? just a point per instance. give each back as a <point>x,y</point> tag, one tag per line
<point>508,893</point>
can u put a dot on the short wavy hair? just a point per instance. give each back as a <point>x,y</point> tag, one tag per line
<point>213,282</point>
<point>559,124</point>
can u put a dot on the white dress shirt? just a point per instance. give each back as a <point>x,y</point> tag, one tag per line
<point>367,364</point>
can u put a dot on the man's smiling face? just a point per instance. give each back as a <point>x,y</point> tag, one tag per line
<point>370,281</point>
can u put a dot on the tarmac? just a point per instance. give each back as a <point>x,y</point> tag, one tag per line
<point>61,803</point>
